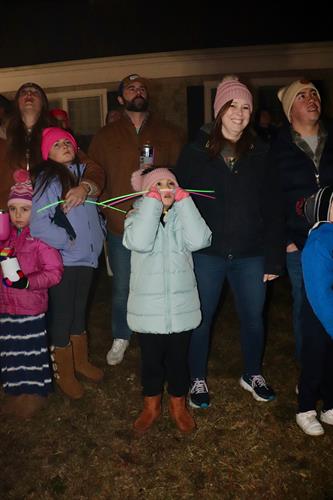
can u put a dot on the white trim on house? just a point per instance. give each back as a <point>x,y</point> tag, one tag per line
<point>265,59</point>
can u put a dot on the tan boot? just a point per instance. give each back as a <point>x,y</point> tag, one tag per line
<point>81,361</point>
<point>64,375</point>
<point>180,414</point>
<point>23,406</point>
<point>9,405</point>
<point>151,411</point>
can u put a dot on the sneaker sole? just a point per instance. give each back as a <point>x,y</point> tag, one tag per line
<point>113,363</point>
<point>204,406</point>
<point>248,388</point>
<point>322,419</point>
<point>316,433</point>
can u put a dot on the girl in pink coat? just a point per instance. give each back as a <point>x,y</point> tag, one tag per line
<point>28,268</point>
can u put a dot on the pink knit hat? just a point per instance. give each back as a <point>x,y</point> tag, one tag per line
<point>142,182</point>
<point>22,189</point>
<point>231,88</point>
<point>51,135</point>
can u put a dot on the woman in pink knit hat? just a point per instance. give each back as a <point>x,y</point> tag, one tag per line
<point>248,232</point>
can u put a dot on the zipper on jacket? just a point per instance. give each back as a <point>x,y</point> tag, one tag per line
<point>166,253</point>
<point>317,179</point>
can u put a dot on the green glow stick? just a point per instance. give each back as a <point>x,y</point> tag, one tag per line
<point>201,190</point>
<point>87,201</point>
<point>50,205</point>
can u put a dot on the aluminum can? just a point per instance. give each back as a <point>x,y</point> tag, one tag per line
<point>146,156</point>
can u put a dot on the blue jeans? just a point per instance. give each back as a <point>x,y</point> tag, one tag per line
<point>121,265</point>
<point>294,268</point>
<point>245,277</point>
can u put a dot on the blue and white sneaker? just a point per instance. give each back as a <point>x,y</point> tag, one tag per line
<point>256,384</point>
<point>199,395</point>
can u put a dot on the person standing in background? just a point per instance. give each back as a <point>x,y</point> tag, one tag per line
<point>5,111</point>
<point>22,148</point>
<point>302,154</point>
<point>264,126</point>
<point>316,377</point>
<point>117,147</point>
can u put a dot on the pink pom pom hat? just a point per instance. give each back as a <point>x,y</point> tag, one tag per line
<point>22,189</point>
<point>142,181</point>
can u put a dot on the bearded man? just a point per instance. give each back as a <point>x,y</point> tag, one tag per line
<point>117,147</point>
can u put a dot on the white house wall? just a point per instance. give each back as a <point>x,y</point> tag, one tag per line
<point>96,72</point>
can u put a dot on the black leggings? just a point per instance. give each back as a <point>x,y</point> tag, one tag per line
<point>68,302</point>
<point>164,358</point>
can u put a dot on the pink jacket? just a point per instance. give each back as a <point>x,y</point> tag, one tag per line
<point>43,267</point>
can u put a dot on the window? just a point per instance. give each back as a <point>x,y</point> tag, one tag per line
<point>86,109</point>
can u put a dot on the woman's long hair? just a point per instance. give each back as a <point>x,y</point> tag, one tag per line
<point>48,170</point>
<point>20,141</point>
<point>217,142</point>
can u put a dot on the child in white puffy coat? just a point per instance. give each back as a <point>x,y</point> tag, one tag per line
<point>162,231</point>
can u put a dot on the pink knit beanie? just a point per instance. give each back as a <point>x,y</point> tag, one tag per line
<point>22,189</point>
<point>142,182</point>
<point>51,135</point>
<point>231,88</point>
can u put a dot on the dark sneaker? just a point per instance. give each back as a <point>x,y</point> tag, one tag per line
<point>256,384</point>
<point>199,395</point>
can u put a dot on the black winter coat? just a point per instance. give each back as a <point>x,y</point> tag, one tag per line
<point>246,218</point>
<point>297,176</point>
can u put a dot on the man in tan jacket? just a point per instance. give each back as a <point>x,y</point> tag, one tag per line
<point>116,147</point>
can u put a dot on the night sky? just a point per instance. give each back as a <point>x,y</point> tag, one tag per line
<point>41,31</point>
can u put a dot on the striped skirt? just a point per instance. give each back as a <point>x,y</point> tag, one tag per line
<point>24,355</point>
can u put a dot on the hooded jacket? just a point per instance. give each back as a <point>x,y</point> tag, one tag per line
<point>85,219</point>
<point>163,295</point>
<point>43,267</point>
<point>317,265</point>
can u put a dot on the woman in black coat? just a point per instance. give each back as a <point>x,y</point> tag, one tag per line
<point>246,220</point>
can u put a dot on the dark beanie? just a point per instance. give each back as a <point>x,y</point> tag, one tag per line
<point>317,206</point>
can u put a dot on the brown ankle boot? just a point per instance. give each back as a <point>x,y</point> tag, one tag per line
<point>81,361</point>
<point>9,405</point>
<point>24,406</point>
<point>180,414</point>
<point>64,375</point>
<point>151,411</point>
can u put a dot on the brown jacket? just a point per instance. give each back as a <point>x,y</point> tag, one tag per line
<point>117,148</point>
<point>93,173</point>
<point>6,176</point>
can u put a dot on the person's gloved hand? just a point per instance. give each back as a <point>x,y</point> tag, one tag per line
<point>154,193</point>
<point>21,284</point>
<point>60,219</point>
<point>5,253</point>
<point>180,194</point>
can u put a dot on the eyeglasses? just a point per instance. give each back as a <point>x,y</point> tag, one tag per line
<point>30,90</point>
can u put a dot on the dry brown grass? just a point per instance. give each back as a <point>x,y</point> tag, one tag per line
<point>242,449</point>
